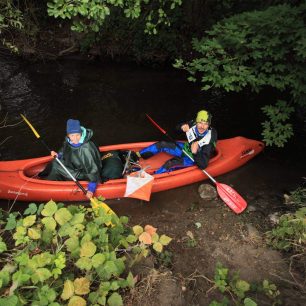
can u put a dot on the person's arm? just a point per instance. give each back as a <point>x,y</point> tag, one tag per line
<point>185,126</point>
<point>58,154</point>
<point>203,154</point>
<point>91,188</point>
<point>91,160</point>
<point>201,158</point>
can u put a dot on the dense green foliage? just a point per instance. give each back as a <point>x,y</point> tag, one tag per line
<point>89,15</point>
<point>53,255</point>
<point>255,50</point>
<point>121,27</point>
<point>11,19</point>
<point>276,130</point>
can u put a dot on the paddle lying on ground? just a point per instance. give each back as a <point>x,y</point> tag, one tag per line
<point>95,203</point>
<point>230,197</point>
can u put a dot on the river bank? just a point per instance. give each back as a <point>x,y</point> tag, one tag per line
<point>218,236</point>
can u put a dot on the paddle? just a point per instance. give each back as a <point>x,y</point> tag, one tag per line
<point>230,197</point>
<point>95,203</point>
<point>126,162</point>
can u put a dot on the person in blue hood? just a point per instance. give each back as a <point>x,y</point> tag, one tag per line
<point>80,156</point>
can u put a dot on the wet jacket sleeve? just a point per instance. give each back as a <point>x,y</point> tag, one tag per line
<point>92,186</point>
<point>60,153</point>
<point>204,153</point>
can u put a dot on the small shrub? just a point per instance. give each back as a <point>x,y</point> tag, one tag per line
<point>165,258</point>
<point>296,197</point>
<point>290,233</point>
<point>239,290</point>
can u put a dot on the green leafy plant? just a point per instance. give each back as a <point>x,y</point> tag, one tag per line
<point>270,289</point>
<point>239,289</point>
<point>55,255</point>
<point>276,131</point>
<point>164,258</point>
<point>254,50</point>
<point>290,233</point>
<point>90,15</point>
<point>149,236</point>
<point>296,197</point>
<point>190,240</point>
<point>11,19</point>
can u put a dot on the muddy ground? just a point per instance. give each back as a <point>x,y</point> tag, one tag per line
<point>236,241</point>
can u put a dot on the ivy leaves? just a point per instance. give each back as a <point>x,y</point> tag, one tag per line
<point>69,255</point>
<point>148,236</point>
<point>73,290</point>
<point>49,209</point>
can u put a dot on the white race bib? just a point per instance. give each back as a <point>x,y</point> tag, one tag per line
<point>205,140</point>
<point>190,134</point>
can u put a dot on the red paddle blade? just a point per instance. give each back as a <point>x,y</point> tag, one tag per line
<point>231,198</point>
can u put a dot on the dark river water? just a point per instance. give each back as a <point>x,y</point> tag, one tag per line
<point>112,99</point>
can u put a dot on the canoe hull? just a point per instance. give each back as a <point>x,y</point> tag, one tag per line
<point>18,178</point>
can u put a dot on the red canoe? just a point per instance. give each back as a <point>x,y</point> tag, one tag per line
<point>18,179</point>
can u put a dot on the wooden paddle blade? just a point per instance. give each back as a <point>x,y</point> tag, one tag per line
<point>231,198</point>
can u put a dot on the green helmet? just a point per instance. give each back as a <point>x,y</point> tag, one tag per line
<point>203,116</point>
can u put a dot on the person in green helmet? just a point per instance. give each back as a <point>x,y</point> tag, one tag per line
<point>79,155</point>
<point>200,145</point>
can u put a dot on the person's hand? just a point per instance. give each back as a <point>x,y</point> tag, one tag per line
<point>194,147</point>
<point>185,127</point>
<point>89,194</point>
<point>54,154</point>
